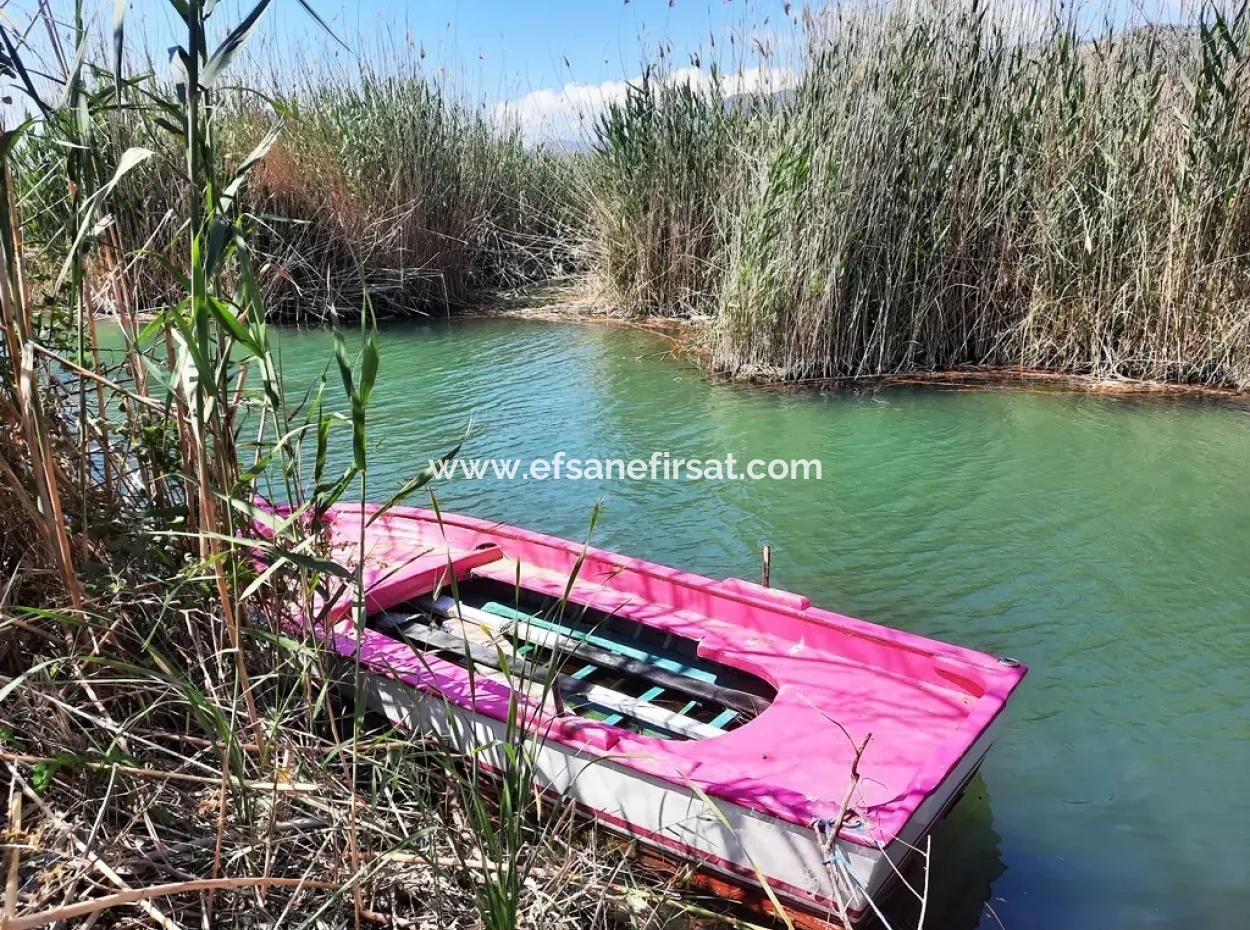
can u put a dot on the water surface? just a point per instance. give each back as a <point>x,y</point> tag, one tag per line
<point>1103,540</point>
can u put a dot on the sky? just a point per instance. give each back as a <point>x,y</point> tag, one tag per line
<point>532,62</point>
<point>549,65</point>
<point>543,64</point>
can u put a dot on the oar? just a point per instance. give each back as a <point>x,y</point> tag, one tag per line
<point>419,633</point>
<point>583,647</point>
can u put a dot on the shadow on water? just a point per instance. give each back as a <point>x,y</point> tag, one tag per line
<point>966,861</point>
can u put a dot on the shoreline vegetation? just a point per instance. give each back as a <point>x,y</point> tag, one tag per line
<point>177,751</point>
<point>934,186</point>
<point>941,187</point>
<point>686,339</point>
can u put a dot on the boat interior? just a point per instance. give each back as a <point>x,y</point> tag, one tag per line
<point>579,658</point>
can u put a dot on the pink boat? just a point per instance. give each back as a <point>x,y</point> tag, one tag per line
<point>721,723</point>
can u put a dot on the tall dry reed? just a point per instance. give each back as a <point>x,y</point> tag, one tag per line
<point>175,749</point>
<point>962,184</point>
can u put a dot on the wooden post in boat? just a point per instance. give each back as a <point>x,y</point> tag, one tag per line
<point>768,564</point>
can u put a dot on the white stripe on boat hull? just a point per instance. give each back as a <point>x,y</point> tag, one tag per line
<point>675,819</point>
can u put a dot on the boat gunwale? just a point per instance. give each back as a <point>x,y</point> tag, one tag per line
<point>888,818</point>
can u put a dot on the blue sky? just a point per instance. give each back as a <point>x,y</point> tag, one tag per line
<point>540,63</point>
<point>509,46</point>
<point>498,47</point>
<point>547,58</point>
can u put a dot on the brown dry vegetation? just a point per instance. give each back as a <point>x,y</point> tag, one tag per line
<point>175,752</point>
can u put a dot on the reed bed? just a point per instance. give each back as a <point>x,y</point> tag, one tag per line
<point>390,180</point>
<point>381,181</point>
<point>176,752</point>
<point>951,184</point>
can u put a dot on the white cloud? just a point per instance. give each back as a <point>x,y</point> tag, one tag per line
<point>557,115</point>
<point>568,114</point>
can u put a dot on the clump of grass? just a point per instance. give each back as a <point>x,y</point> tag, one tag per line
<point>391,174</point>
<point>959,184</point>
<point>171,742</point>
<point>665,161</point>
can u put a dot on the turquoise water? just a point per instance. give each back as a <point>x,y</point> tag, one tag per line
<point>1103,540</point>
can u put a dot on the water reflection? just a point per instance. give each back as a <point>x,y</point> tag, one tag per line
<point>966,862</point>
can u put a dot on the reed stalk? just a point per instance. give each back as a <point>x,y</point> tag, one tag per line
<point>145,635</point>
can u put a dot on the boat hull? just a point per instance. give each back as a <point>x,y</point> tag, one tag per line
<point>735,843</point>
<point>848,740</point>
